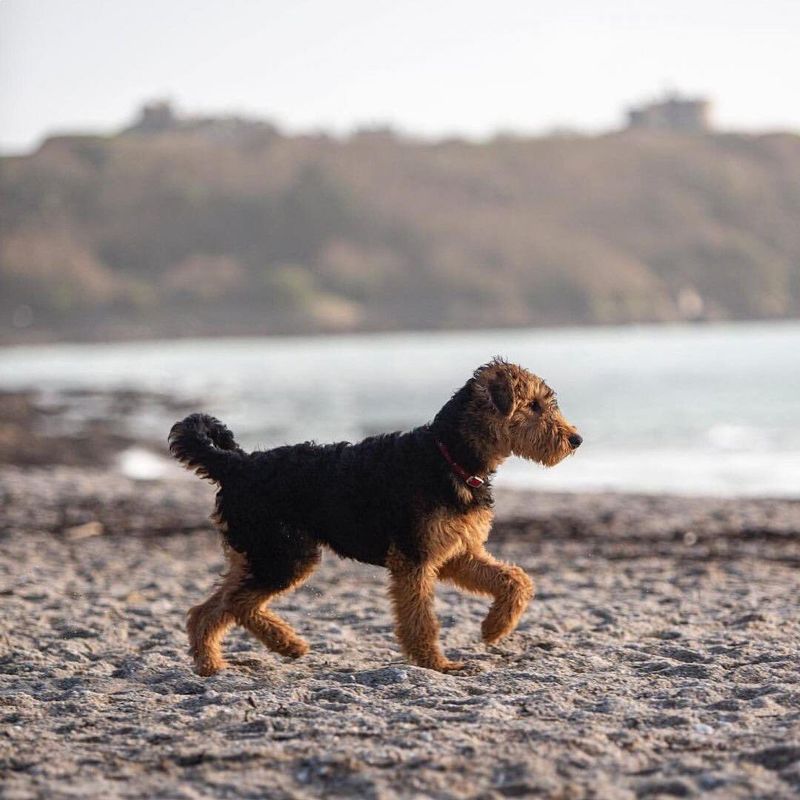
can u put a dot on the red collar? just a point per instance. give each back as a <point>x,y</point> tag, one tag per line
<point>473,481</point>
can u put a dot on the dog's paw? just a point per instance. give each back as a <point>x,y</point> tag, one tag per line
<point>294,649</point>
<point>208,667</point>
<point>450,666</point>
<point>442,665</point>
<point>494,629</point>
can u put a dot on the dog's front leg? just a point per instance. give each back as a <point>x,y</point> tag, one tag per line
<point>511,588</point>
<point>411,587</point>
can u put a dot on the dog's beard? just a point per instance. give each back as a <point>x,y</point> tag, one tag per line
<point>548,447</point>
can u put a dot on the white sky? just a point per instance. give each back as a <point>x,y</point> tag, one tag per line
<point>424,66</point>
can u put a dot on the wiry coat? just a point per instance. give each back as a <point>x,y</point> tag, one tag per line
<point>392,500</point>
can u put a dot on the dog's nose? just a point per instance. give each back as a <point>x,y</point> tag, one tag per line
<point>575,441</point>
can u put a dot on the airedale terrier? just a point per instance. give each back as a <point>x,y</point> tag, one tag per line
<point>418,503</point>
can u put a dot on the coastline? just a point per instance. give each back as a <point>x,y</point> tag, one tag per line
<point>52,499</point>
<point>145,335</point>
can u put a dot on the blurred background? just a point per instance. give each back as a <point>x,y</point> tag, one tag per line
<point>315,220</point>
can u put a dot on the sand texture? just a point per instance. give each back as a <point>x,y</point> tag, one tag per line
<point>659,659</point>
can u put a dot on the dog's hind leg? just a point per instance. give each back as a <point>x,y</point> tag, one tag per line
<point>208,622</point>
<point>247,606</point>
<point>510,586</point>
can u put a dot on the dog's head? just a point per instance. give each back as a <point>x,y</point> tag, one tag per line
<point>509,411</point>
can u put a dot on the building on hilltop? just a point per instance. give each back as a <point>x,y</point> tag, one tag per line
<point>160,116</point>
<point>155,117</point>
<point>673,113</point>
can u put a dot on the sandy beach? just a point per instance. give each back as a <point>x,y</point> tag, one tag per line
<point>659,658</point>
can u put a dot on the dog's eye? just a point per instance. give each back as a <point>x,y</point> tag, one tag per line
<point>536,406</point>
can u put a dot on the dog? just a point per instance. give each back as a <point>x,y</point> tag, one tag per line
<point>417,503</point>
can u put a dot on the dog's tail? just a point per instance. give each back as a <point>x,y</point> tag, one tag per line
<point>204,444</point>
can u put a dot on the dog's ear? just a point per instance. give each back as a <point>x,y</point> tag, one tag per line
<point>497,380</point>
<point>501,393</point>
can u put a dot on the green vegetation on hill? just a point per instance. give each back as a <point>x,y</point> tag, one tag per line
<point>186,233</point>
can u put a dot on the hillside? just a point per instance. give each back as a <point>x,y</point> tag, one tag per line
<point>235,228</point>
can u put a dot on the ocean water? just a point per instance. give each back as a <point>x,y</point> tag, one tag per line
<point>711,409</point>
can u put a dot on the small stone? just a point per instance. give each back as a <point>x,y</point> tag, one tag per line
<point>703,729</point>
<point>85,531</point>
